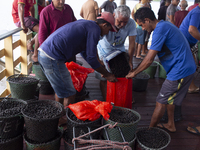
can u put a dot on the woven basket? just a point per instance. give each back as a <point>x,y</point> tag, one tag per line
<point>12,144</point>
<point>21,90</point>
<point>141,146</point>
<point>81,128</point>
<point>128,129</point>
<point>42,130</point>
<point>11,125</point>
<point>51,145</point>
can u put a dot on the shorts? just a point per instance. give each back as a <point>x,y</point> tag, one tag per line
<point>140,37</point>
<point>173,92</point>
<point>58,75</point>
<point>29,21</point>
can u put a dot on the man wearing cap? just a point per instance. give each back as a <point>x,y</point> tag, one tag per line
<point>80,36</point>
<point>115,40</point>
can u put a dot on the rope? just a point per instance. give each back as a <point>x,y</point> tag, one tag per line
<point>101,144</point>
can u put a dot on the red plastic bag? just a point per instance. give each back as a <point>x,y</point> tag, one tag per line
<point>91,110</point>
<point>78,74</point>
<point>120,93</point>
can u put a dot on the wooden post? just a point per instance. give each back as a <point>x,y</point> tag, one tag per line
<point>9,66</point>
<point>122,2</point>
<point>23,48</point>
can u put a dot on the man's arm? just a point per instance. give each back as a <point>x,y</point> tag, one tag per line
<point>81,12</point>
<point>144,64</point>
<point>194,32</point>
<point>132,14</point>
<point>171,17</point>
<point>32,11</point>
<point>21,16</point>
<point>44,27</point>
<point>131,50</point>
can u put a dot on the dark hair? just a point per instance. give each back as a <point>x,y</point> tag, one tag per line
<point>100,21</point>
<point>143,13</point>
<point>197,1</point>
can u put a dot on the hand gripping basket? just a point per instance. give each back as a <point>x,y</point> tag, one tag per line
<point>41,119</point>
<point>127,129</point>
<point>12,121</point>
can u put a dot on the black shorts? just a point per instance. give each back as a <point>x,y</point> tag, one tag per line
<point>173,92</point>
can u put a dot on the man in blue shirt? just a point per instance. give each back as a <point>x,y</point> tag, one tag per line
<point>82,37</point>
<point>173,50</point>
<point>126,27</point>
<point>190,27</point>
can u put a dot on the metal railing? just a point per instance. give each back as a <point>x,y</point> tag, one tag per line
<point>10,63</point>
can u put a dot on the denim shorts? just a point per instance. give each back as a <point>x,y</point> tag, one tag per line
<point>140,37</point>
<point>58,75</point>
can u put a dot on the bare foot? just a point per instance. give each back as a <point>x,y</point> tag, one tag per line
<point>166,127</point>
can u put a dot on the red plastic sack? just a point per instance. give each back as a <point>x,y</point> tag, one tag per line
<point>91,110</point>
<point>78,74</point>
<point>120,93</point>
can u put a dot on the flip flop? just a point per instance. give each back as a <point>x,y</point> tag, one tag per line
<point>193,91</point>
<point>139,57</point>
<point>195,129</point>
<point>163,127</point>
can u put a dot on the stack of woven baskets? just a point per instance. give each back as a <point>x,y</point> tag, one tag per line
<point>12,124</point>
<point>41,124</point>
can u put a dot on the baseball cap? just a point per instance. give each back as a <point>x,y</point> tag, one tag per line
<point>107,16</point>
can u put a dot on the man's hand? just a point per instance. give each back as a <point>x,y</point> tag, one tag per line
<point>25,30</point>
<point>110,77</point>
<point>131,74</point>
<point>34,58</point>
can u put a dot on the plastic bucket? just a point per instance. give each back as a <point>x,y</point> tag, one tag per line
<point>51,145</point>
<point>140,82</point>
<point>151,70</point>
<point>38,128</point>
<point>153,139</point>
<point>37,70</point>
<point>127,129</point>
<point>120,93</point>
<point>162,72</point>
<point>11,119</point>
<point>22,86</point>
<point>45,88</point>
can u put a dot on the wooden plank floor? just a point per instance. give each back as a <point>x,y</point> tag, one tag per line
<point>145,104</point>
